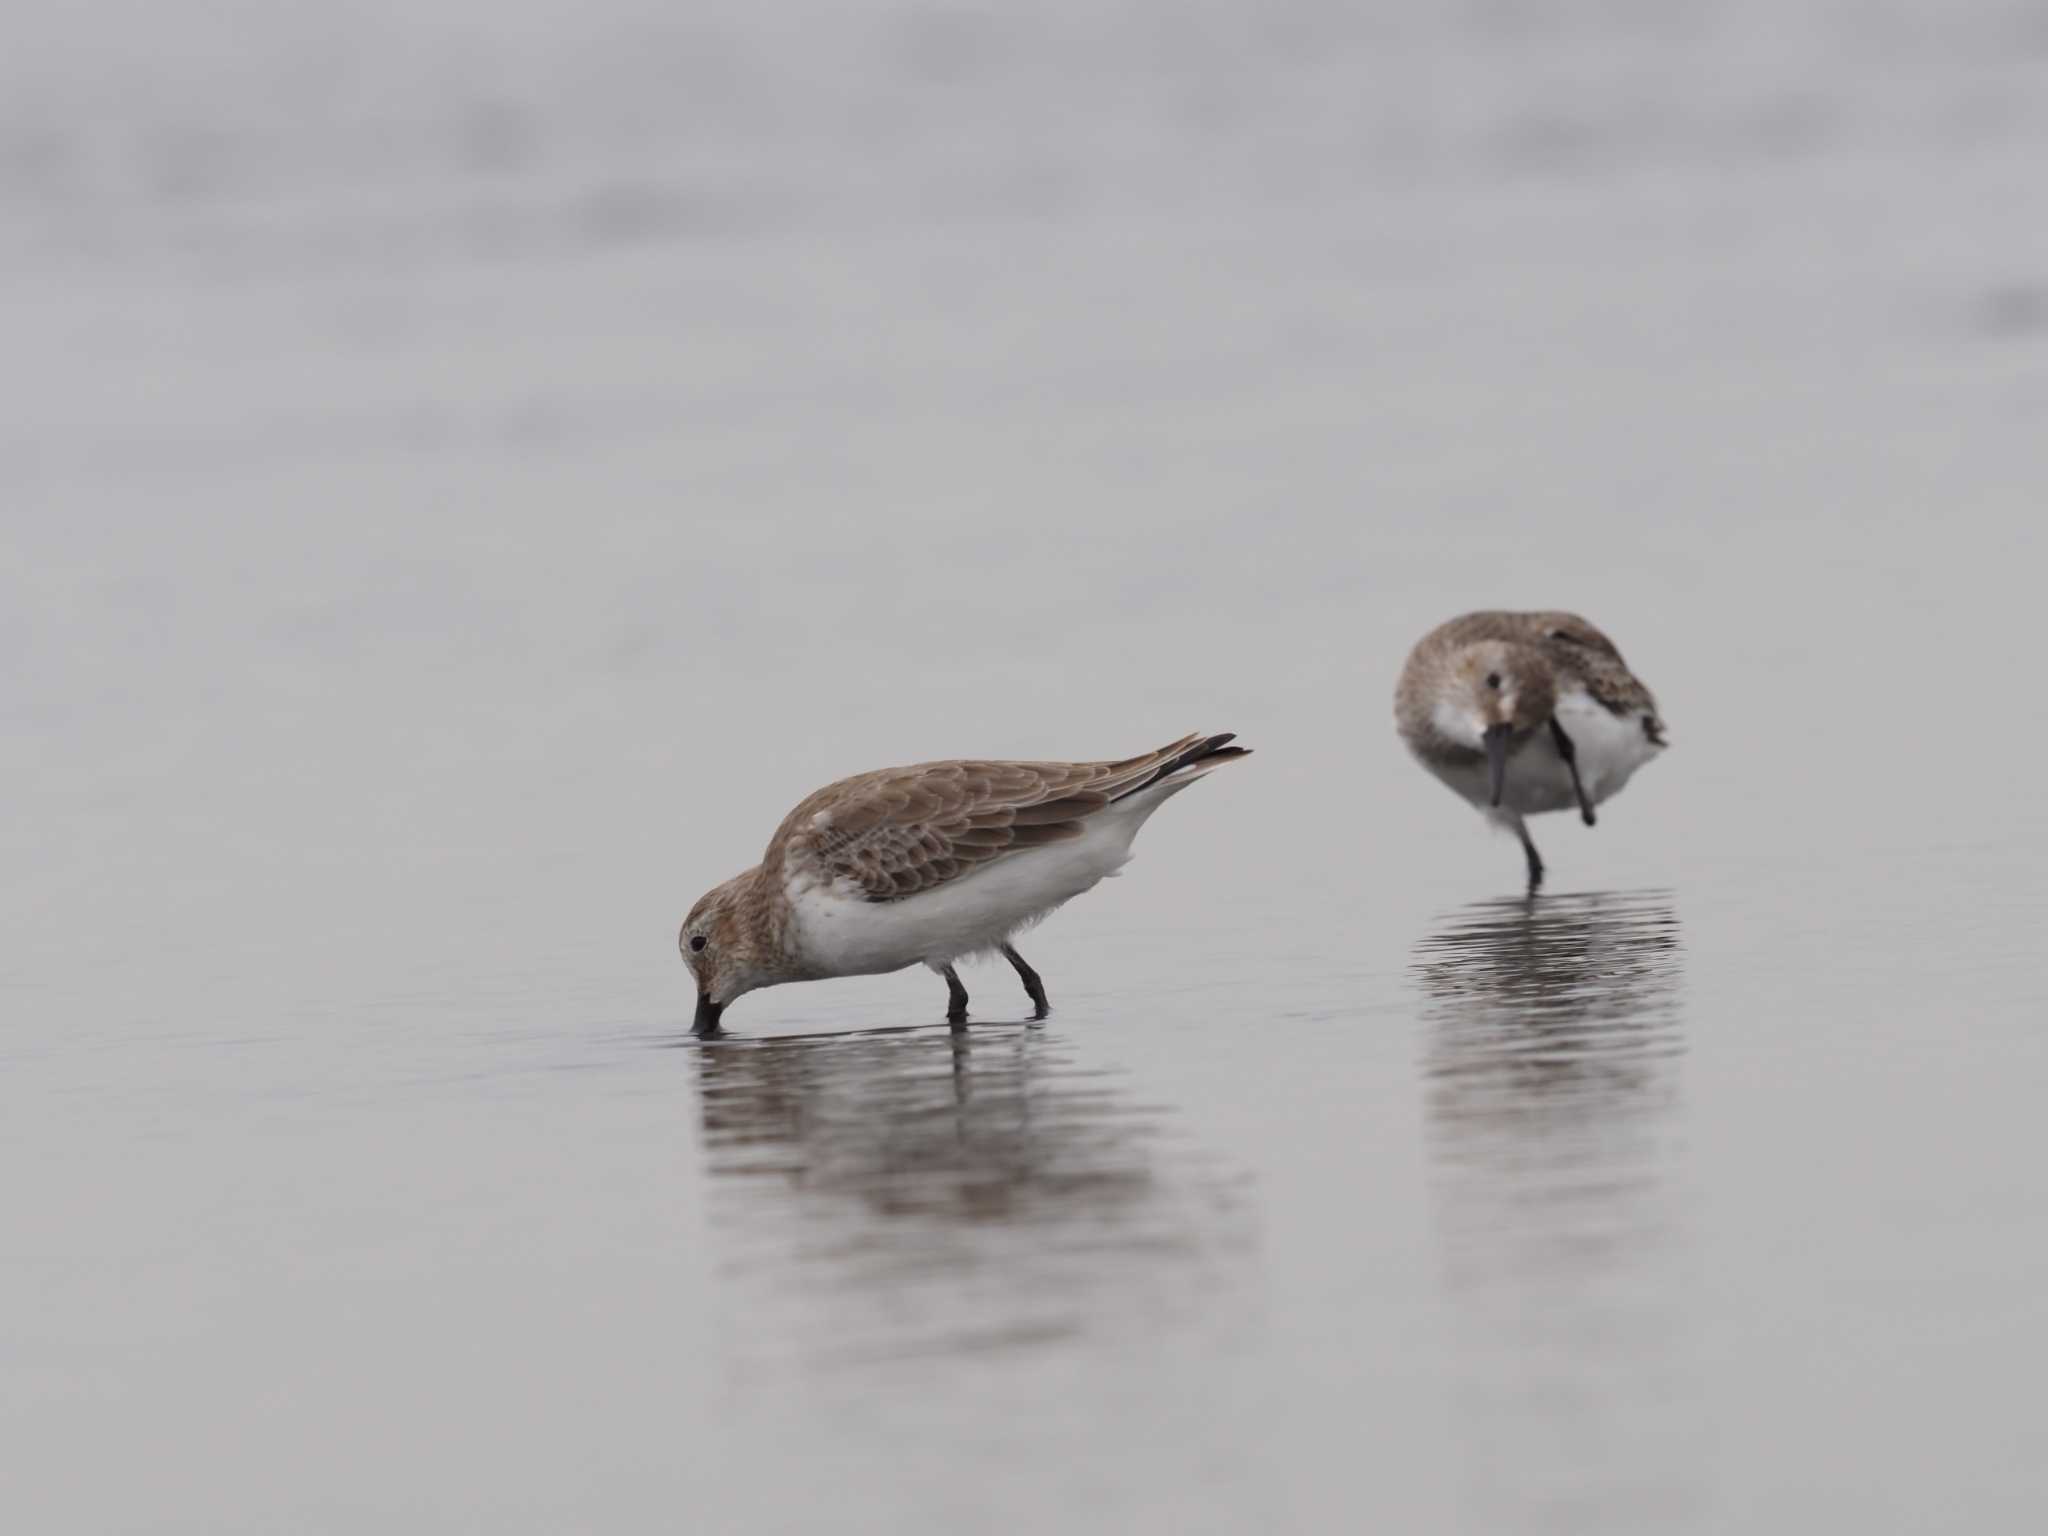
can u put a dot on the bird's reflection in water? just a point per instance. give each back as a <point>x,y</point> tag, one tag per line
<point>911,1193</point>
<point>1553,1046</point>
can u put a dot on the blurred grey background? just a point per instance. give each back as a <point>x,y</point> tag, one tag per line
<point>466,469</point>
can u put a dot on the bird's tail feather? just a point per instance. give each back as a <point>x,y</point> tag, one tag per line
<point>1190,763</point>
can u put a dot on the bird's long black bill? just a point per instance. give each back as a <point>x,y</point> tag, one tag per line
<point>1496,739</point>
<point>707,1017</point>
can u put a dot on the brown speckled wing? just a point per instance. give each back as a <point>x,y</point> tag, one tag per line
<point>1620,691</point>
<point>1580,650</point>
<point>902,831</point>
<point>1615,686</point>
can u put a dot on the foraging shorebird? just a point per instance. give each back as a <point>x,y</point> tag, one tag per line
<point>926,864</point>
<point>1522,713</point>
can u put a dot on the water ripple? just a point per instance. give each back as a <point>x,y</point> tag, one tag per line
<point>901,1194</point>
<point>1550,1072</point>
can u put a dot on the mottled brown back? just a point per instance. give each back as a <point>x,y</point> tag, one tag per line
<point>1577,650</point>
<point>899,831</point>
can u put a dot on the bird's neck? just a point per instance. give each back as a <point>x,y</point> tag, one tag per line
<point>763,919</point>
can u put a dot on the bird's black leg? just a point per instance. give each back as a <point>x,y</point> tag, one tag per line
<point>1570,754</point>
<point>1031,982</point>
<point>1535,858</point>
<point>956,997</point>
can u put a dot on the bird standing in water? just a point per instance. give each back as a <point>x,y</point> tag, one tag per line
<point>1523,713</point>
<point>926,864</point>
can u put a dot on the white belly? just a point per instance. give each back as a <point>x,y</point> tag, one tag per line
<point>1610,749</point>
<point>841,934</point>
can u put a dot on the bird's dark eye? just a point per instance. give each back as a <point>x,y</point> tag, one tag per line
<point>1567,637</point>
<point>697,943</point>
<point>1493,679</point>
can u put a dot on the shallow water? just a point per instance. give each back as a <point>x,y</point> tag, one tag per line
<point>460,487</point>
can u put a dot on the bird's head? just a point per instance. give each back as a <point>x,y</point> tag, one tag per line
<point>725,943</point>
<point>1499,695</point>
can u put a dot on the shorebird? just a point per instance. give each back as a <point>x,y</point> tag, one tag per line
<point>924,865</point>
<point>1522,713</point>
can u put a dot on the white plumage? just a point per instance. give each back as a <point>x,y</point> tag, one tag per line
<point>839,932</point>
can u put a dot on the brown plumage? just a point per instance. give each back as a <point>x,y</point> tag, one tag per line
<point>897,832</point>
<point>1573,648</point>
<point>876,872</point>
<point>1524,713</point>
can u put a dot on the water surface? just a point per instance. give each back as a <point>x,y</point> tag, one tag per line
<point>465,474</point>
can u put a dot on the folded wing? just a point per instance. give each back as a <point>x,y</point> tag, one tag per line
<point>899,832</point>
